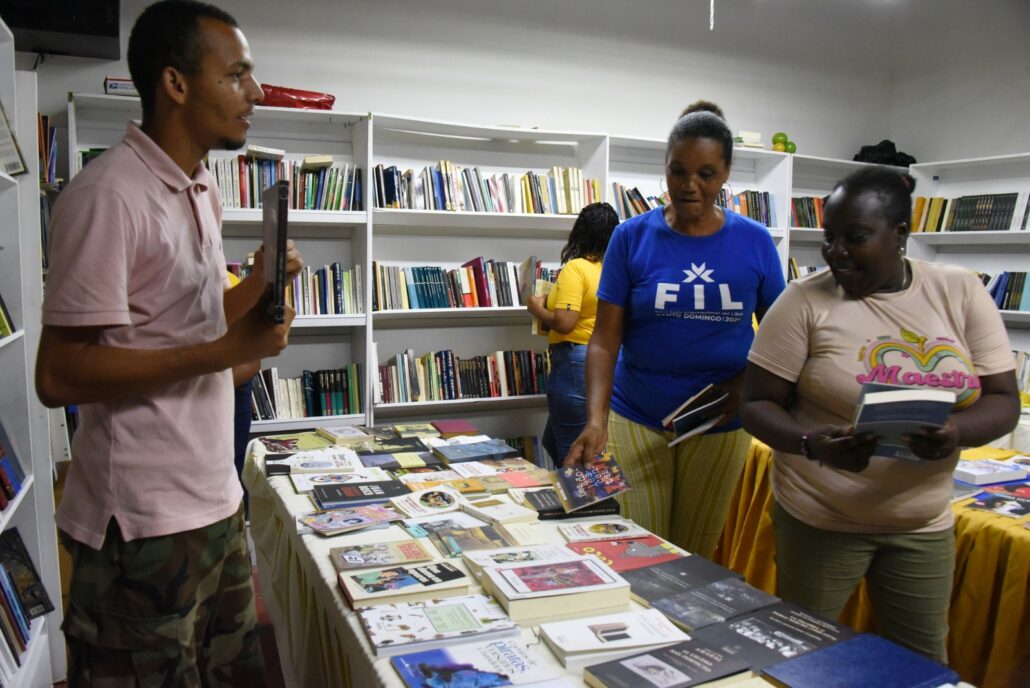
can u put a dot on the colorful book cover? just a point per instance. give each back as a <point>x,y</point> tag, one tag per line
<point>629,554</point>
<point>476,451</point>
<point>478,560</point>
<point>346,520</point>
<point>24,575</point>
<point>400,581</point>
<point>478,665</point>
<point>585,485</point>
<point>380,554</point>
<point>427,502</point>
<point>616,529</point>
<point>396,628</point>
<point>462,485</point>
<point>341,496</point>
<point>549,578</point>
<point>453,541</point>
<point>424,476</point>
<point>305,482</point>
<point>1001,503</point>
<point>416,430</point>
<point>423,526</point>
<point>293,443</point>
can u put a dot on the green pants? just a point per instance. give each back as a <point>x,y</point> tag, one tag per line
<point>176,610</point>
<point>908,576</point>
<point>680,493</point>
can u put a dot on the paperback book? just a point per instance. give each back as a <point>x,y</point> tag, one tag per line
<point>428,502</point>
<point>403,584</point>
<point>652,583</point>
<point>596,639</point>
<point>338,521</point>
<point>394,629</point>
<point>690,663</point>
<point>1001,503</point>
<point>379,555</point>
<point>548,589</point>
<point>696,415</point>
<point>615,529</point>
<point>343,435</point>
<point>423,526</point>
<point>415,430</point>
<point>327,460</point>
<point>585,485</point>
<point>465,486</point>
<point>502,662</point>
<point>305,482</point>
<point>399,460</point>
<point>477,561</point>
<point>358,494</point>
<point>773,634</point>
<point>424,476</point>
<point>476,451</point>
<point>713,603</point>
<point>453,541</point>
<point>987,471</point>
<point>500,510</point>
<point>548,506</point>
<point>280,446</point>
<point>891,412</point>
<point>629,554</point>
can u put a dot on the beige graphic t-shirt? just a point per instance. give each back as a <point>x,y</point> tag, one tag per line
<point>942,332</point>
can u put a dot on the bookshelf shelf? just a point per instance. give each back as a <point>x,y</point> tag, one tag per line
<point>320,322</point>
<point>12,506</point>
<point>35,655</point>
<point>459,405</point>
<point>1020,319</point>
<point>389,220</point>
<point>806,236</point>
<point>290,425</point>
<point>443,317</point>
<point>12,338</point>
<point>971,240</point>
<point>252,216</point>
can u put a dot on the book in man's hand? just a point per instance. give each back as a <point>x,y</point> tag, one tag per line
<point>696,415</point>
<point>891,412</point>
<point>275,203</point>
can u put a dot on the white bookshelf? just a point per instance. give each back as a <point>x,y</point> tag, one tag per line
<point>991,251</point>
<point>31,511</point>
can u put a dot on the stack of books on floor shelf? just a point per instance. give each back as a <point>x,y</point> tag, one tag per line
<point>468,565</point>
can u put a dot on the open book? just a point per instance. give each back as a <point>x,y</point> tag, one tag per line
<point>892,411</point>
<point>275,203</point>
<point>696,415</point>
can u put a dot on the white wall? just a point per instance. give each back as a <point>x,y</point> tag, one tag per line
<point>943,78</point>
<point>961,82</point>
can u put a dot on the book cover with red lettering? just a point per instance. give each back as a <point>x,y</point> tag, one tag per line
<point>626,555</point>
<point>582,486</point>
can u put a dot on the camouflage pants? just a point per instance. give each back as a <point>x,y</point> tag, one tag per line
<point>170,611</point>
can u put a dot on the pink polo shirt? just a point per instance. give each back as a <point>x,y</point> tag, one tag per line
<point>136,247</point>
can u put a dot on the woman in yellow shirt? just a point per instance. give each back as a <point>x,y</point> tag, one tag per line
<point>568,313</point>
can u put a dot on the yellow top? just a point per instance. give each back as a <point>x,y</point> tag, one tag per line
<point>576,290</point>
<point>233,279</point>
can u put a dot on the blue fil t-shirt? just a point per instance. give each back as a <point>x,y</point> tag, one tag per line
<point>689,302</point>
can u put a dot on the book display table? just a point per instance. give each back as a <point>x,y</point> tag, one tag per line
<point>989,643</point>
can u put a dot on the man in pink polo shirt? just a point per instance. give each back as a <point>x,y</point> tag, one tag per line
<point>139,331</point>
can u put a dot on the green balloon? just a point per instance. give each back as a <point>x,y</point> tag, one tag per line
<point>791,147</point>
<point>779,137</point>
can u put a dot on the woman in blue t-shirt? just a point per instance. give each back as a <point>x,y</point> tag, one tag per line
<point>678,290</point>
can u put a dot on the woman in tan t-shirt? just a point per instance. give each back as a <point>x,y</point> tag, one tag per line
<point>842,511</point>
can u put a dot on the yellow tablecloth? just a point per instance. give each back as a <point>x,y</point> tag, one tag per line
<point>989,644</point>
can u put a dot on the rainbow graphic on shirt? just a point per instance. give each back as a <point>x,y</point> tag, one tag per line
<point>917,361</point>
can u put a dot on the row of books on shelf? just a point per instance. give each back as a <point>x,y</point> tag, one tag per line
<point>701,621</point>
<point>1010,290</point>
<point>757,205</point>
<point>796,270</point>
<point>478,283</point>
<point>316,182</point>
<point>22,599</point>
<point>630,202</point>
<point>806,211</point>
<point>331,392</point>
<point>978,212</point>
<point>329,290</point>
<point>446,186</point>
<point>441,375</point>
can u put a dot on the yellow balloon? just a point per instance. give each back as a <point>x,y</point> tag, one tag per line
<point>778,146</point>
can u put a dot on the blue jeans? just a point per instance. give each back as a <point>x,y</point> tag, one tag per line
<point>566,399</point>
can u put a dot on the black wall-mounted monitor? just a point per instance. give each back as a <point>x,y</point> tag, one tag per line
<point>80,28</point>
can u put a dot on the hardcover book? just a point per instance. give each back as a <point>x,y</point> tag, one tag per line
<point>601,530</point>
<point>629,554</point>
<point>380,554</point>
<point>583,486</point>
<point>338,521</point>
<point>713,603</point>
<point>773,634</point>
<point>275,203</point>
<point>652,583</point>
<point>603,638</point>
<point>399,628</point>
<point>690,663</point>
<point>359,494</point>
<point>403,584</point>
<point>858,662</point>
<point>305,482</point>
<point>503,662</point>
<point>891,412</point>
